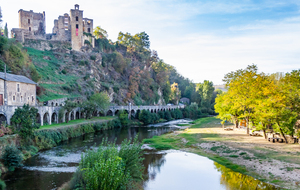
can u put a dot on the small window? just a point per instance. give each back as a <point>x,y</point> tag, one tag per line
<point>14,98</point>
<point>89,22</point>
<point>89,30</point>
<point>29,28</point>
<point>21,98</point>
<point>77,26</point>
<point>18,87</point>
<point>31,98</point>
<point>28,21</point>
<point>28,99</point>
<point>77,18</point>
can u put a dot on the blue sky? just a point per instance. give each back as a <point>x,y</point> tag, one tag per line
<point>204,40</point>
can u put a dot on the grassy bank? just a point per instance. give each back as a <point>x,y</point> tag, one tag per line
<point>254,156</point>
<point>78,122</point>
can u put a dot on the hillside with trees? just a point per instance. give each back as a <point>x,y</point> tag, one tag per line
<point>127,69</point>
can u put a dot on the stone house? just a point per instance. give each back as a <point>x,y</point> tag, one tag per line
<point>17,90</point>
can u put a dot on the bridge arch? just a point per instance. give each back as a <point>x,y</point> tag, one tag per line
<point>116,112</point>
<point>46,119</point>
<point>101,113</point>
<point>67,118</point>
<point>38,118</point>
<point>109,113</point>
<point>54,118</point>
<point>77,115</point>
<point>82,115</point>
<point>3,118</point>
<point>72,115</point>
<point>56,104</point>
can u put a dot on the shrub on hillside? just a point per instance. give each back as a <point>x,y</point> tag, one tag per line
<point>12,157</point>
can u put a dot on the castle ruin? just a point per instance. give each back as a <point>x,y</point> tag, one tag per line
<point>71,27</point>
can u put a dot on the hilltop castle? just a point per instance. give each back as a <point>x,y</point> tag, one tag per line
<point>69,27</point>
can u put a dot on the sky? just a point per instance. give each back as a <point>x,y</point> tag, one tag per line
<point>204,39</point>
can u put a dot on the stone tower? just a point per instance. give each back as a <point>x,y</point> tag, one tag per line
<point>76,22</point>
<point>33,22</point>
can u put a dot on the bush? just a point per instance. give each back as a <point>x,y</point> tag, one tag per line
<point>110,168</point>
<point>123,117</point>
<point>93,57</point>
<point>168,116</point>
<point>204,110</point>
<point>12,157</point>
<point>145,117</point>
<point>64,71</point>
<point>24,121</point>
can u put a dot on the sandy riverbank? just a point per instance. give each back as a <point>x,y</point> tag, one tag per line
<point>276,163</point>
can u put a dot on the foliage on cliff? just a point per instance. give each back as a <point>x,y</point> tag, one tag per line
<point>16,59</point>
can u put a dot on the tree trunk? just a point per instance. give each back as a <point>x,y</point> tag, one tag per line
<point>283,135</point>
<point>236,123</point>
<point>265,135</point>
<point>247,125</point>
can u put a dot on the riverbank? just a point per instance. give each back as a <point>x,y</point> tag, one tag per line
<point>275,163</point>
<point>49,136</point>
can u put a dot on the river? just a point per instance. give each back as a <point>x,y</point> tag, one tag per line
<point>163,169</point>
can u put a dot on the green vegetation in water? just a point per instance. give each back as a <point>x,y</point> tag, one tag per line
<point>110,167</point>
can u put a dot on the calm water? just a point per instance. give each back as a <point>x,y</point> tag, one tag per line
<point>163,170</point>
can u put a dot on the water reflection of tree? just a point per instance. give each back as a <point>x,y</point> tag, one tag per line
<point>237,181</point>
<point>153,163</point>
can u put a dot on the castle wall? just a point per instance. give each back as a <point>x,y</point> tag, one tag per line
<point>69,28</point>
<point>31,21</point>
<point>88,25</point>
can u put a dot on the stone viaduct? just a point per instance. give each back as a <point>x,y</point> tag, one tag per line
<point>49,114</point>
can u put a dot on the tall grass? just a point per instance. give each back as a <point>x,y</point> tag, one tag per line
<point>110,167</point>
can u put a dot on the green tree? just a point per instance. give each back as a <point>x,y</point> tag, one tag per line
<point>205,90</point>
<point>101,101</point>
<point>24,121</point>
<point>100,33</point>
<point>5,30</point>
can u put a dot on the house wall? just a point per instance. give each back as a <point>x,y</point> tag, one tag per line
<point>27,92</point>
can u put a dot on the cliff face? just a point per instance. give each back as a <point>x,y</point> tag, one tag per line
<point>66,73</point>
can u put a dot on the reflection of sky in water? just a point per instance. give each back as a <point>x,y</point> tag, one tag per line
<point>182,170</point>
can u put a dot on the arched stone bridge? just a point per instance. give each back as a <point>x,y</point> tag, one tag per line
<point>49,114</point>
